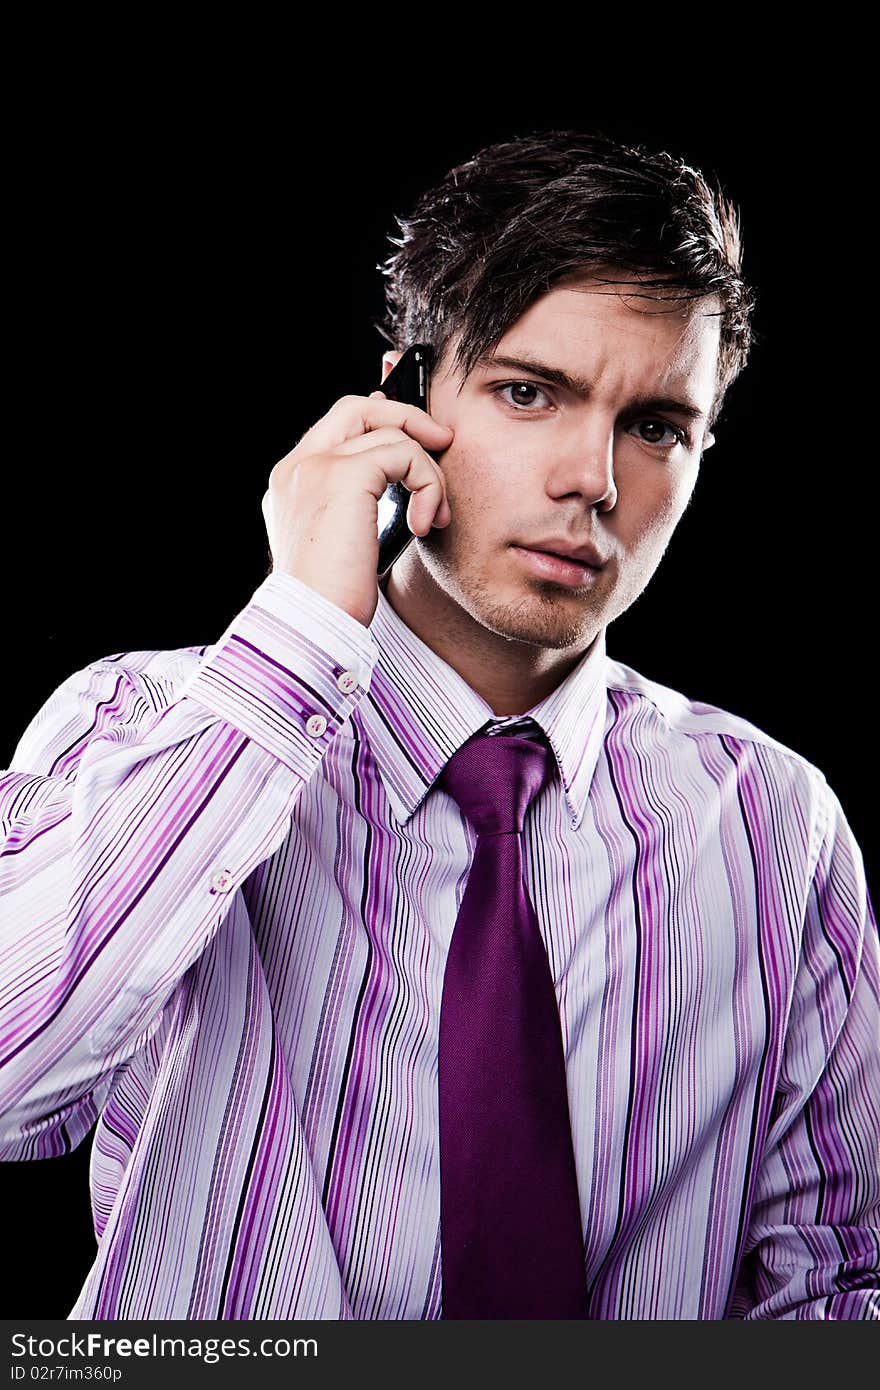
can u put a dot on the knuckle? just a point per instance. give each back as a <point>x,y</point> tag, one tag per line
<point>385,434</point>
<point>310,468</point>
<point>396,434</point>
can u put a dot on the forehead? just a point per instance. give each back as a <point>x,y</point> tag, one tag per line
<point>584,305</point>
<point>624,334</point>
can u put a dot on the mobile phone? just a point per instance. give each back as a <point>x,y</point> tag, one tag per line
<point>409,381</point>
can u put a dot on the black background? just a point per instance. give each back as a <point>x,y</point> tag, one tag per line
<point>195,297</point>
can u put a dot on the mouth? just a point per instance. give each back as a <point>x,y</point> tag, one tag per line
<point>563,569</point>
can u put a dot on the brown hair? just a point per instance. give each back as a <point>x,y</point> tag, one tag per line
<point>499,230</point>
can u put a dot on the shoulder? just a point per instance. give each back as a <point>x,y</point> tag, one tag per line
<point>146,669</point>
<point>154,677</point>
<point>685,717</point>
<point>683,726</point>
<point>122,690</point>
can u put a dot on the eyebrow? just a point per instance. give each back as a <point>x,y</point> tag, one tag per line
<point>580,387</point>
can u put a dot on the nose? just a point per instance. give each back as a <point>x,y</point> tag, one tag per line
<point>584,467</point>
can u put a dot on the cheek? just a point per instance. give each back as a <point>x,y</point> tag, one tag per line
<point>477,483</point>
<point>651,516</point>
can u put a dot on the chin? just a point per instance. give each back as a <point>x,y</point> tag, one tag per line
<point>538,615</point>
<point>537,620</point>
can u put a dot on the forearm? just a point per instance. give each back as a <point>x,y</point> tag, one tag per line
<point>114,882</point>
<point>812,1274</point>
<point>121,892</point>
<point>813,1247</point>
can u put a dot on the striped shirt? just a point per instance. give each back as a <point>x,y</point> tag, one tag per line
<point>228,886</point>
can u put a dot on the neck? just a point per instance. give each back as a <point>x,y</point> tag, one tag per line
<point>512,676</point>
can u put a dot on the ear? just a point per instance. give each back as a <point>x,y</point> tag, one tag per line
<point>708,440</point>
<point>389,359</point>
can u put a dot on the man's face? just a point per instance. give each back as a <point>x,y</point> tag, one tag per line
<point>533,461</point>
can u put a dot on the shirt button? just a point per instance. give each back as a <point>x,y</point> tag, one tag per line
<point>221,881</point>
<point>346,682</point>
<point>316,725</point>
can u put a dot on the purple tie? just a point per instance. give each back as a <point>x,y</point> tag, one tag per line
<point>512,1240</point>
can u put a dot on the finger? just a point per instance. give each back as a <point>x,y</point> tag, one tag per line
<point>404,462</point>
<point>366,443</point>
<point>385,434</point>
<point>385,437</point>
<point>356,415</point>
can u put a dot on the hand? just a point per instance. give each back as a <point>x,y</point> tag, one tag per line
<point>322,505</point>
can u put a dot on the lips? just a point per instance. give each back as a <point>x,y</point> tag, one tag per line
<point>586,554</point>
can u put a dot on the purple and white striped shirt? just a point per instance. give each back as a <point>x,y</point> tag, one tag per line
<point>228,886</point>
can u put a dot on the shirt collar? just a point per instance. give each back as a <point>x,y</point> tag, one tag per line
<point>419,711</point>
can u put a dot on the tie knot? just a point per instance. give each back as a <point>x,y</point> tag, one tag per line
<point>494,780</point>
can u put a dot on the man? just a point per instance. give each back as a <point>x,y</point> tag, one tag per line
<point>251,895</point>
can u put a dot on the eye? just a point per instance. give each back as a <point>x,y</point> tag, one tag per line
<point>529,389</point>
<point>520,405</point>
<point>653,423</point>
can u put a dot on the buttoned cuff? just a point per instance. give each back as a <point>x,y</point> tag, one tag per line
<point>287,672</point>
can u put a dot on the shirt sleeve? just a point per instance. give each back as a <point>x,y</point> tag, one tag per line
<point>813,1245</point>
<point>139,799</point>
